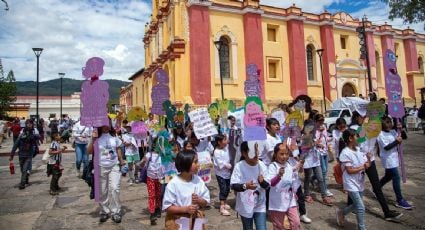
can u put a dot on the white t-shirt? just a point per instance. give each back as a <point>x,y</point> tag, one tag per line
<point>154,165</point>
<point>349,157</point>
<point>249,201</point>
<point>108,150</point>
<point>312,159</point>
<point>221,158</point>
<point>179,192</point>
<point>322,137</point>
<point>283,194</point>
<point>389,158</point>
<point>267,152</point>
<point>132,149</point>
<point>81,133</point>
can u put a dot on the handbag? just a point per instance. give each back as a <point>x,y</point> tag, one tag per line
<point>143,172</point>
<point>46,156</point>
<point>338,173</point>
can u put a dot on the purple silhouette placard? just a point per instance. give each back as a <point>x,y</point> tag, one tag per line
<point>393,86</point>
<point>252,82</point>
<point>254,120</point>
<point>94,95</point>
<point>160,92</point>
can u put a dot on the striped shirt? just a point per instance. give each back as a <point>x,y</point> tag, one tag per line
<point>55,158</point>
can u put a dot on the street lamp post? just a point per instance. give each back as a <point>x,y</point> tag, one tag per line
<point>61,75</point>
<point>218,46</point>
<point>37,52</point>
<point>320,53</point>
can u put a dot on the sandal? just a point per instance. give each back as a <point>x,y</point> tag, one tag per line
<point>308,199</point>
<point>327,201</point>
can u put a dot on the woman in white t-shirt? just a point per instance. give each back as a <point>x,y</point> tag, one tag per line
<point>388,141</point>
<point>249,183</point>
<point>284,182</point>
<point>110,160</point>
<point>354,163</point>
<point>186,194</point>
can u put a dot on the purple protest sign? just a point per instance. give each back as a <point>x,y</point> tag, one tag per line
<point>94,95</point>
<point>394,91</point>
<point>160,92</point>
<point>96,169</point>
<point>252,82</point>
<point>393,86</point>
<point>254,120</point>
<point>140,131</point>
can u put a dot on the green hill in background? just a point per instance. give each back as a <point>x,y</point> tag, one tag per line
<point>69,86</point>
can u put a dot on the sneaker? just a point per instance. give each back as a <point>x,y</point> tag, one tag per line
<point>130,182</point>
<point>103,218</point>
<point>327,201</point>
<point>158,213</point>
<point>403,204</point>
<point>393,215</point>
<point>153,219</point>
<point>339,217</point>
<point>21,186</point>
<point>116,218</point>
<point>224,212</point>
<point>54,193</point>
<point>305,219</point>
<point>136,181</point>
<point>227,207</point>
<point>328,193</point>
<point>308,199</point>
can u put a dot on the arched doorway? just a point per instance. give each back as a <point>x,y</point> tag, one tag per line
<point>348,90</point>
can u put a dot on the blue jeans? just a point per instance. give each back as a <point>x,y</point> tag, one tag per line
<point>317,171</point>
<point>81,155</point>
<point>358,207</point>
<point>324,167</point>
<point>392,174</point>
<point>25,165</point>
<point>260,221</point>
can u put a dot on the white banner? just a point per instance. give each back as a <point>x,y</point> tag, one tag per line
<point>202,123</point>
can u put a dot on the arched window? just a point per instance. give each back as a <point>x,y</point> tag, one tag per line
<point>224,55</point>
<point>310,62</point>
<point>421,64</point>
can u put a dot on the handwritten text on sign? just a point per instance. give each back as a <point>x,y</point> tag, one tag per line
<point>202,124</point>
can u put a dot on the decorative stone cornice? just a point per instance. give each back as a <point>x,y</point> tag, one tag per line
<point>206,3</point>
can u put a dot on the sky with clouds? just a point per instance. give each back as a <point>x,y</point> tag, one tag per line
<point>73,31</point>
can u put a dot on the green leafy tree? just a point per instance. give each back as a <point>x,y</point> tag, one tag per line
<point>7,92</point>
<point>411,11</point>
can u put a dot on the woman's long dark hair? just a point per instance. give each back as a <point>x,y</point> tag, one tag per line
<point>354,118</point>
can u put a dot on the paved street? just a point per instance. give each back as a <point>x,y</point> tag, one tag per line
<point>34,208</point>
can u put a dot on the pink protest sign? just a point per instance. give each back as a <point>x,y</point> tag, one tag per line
<point>94,95</point>
<point>393,86</point>
<point>140,131</point>
<point>252,83</point>
<point>160,92</point>
<point>254,120</point>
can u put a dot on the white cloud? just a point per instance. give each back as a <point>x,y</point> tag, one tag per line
<point>71,32</point>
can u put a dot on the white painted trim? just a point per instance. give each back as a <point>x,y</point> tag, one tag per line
<point>277,17</point>
<point>198,3</point>
<point>307,22</point>
<point>385,33</point>
<point>408,37</point>
<point>326,22</point>
<point>225,9</point>
<point>252,10</point>
<point>337,26</point>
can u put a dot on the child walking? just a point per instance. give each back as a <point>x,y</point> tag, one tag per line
<point>223,171</point>
<point>388,141</point>
<point>154,175</point>
<point>354,163</point>
<point>249,183</point>
<point>54,164</point>
<point>186,194</point>
<point>131,154</point>
<point>322,139</point>
<point>284,183</point>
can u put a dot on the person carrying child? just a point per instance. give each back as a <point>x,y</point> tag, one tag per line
<point>284,183</point>
<point>186,194</point>
<point>249,183</point>
<point>54,167</point>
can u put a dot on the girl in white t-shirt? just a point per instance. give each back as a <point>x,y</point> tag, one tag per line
<point>354,163</point>
<point>341,126</point>
<point>388,141</point>
<point>153,184</point>
<point>186,194</point>
<point>249,183</point>
<point>284,184</point>
<point>273,129</point>
<point>223,171</point>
